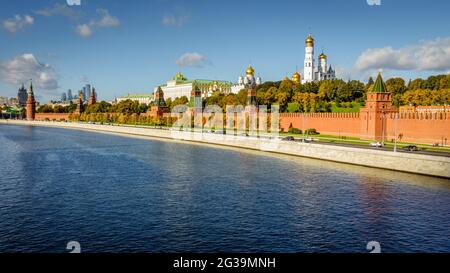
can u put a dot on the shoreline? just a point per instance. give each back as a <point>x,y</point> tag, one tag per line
<point>436,166</point>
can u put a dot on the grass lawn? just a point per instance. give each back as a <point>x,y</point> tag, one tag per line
<point>354,109</point>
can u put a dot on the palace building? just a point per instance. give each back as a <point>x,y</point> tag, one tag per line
<point>180,86</point>
<point>140,98</point>
<point>311,73</point>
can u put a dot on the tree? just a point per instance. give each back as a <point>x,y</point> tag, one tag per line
<point>396,86</point>
<point>417,84</point>
<point>283,99</point>
<point>242,97</point>
<point>45,109</point>
<point>445,82</point>
<point>179,101</point>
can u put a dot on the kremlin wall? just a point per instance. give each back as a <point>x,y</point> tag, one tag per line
<point>426,128</point>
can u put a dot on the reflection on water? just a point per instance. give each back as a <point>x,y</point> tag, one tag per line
<point>116,194</point>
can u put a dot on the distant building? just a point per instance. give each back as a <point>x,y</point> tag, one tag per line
<point>141,98</point>
<point>87,92</point>
<point>245,82</point>
<point>180,86</point>
<point>69,95</point>
<point>22,96</point>
<point>63,97</point>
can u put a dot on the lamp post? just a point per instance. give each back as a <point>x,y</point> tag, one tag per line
<point>395,132</point>
<point>383,117</point>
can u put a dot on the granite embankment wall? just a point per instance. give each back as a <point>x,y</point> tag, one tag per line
<point>405,162</point>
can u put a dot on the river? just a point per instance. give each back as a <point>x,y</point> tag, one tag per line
<point>113,193</point>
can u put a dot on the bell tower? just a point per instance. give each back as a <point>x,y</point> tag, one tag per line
<point>308,71</point>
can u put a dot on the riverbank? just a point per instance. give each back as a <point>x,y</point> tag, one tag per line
<point>438,166</point>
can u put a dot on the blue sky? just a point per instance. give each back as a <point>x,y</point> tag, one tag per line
<point>130,46</point>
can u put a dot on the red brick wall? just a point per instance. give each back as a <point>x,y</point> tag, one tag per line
<point>346,124</point>
<point>414,127</point>
<point>52,116</point>
<point>419,127</point>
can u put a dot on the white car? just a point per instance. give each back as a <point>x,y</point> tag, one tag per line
<point>376,144</point>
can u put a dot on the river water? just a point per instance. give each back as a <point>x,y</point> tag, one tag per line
<point>118,194</point>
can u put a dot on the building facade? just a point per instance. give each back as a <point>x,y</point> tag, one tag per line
<point>140,98</point>
<point>180,86</point>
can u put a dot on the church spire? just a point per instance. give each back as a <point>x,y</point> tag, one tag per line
<point>30,90</point>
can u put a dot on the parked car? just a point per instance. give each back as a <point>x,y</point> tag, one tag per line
<point>410,148</point>
<point>289,138</point>
<point>376,144</point>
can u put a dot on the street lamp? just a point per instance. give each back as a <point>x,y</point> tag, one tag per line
<point>395,132</point>
<point>383,117</point>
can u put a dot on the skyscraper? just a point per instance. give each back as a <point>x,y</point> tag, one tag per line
<point>84,91</point>
<point>63,97</point>
<point>87,92</point>
<point>69,95</point>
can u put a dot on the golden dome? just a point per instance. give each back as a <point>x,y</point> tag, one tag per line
<point>309,40</point>
<point>296,77</point>
<point>323,56</point>
<point>250,70</point>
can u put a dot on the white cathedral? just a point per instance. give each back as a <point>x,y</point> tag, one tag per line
<point>310,72</point>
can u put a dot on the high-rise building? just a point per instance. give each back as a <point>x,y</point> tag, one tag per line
<point>22,96</point>
<point>63,97</point>
<point>88,91</point>
<point>84,91</point>
<point>69,95</point>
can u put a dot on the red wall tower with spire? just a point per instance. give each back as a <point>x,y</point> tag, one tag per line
<point>31,104</point>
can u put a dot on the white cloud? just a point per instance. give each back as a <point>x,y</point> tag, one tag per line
<point>106,20</point>
<point>426,55</point>
<point>60,10</point>
<point>17,23</point>
<point>84,30</point>
<point>192,59</point>
<point>22,68</point>
<point>172,20</point>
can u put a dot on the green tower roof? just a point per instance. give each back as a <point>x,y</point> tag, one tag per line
<point>379,86</point>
